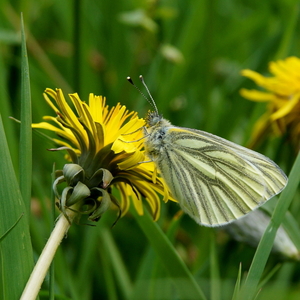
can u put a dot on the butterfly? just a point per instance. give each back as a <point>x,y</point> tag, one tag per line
<point>215,181</point>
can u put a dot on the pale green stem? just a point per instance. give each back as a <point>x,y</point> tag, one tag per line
<point>40,270</point>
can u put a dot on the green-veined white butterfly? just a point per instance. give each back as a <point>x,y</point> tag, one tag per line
<point>214,180</point>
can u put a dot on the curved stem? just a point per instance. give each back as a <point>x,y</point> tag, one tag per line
<point>40,270</point>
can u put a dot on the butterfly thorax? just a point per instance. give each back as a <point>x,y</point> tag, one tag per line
<point>155,135</point>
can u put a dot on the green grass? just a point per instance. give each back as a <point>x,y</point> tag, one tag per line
<point>90,47</point>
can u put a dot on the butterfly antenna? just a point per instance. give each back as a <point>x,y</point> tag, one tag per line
<point>151,101</point>
<point>151,98</point>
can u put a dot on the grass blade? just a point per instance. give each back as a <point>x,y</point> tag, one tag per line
<point>185,283</point>
<point>264,248</point>
<point>15,249</point>
<point>292,228</point>
<point>2,236</point>
<point>291,28</point>
<point>237,284</point>
<point>25,153</point>
<point>112,253</point>
<point>215,286</point>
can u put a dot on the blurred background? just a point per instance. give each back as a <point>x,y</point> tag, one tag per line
<point>190,54</point>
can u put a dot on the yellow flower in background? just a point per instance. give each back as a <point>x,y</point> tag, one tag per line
<point>283,97</point>
<point>100,159</point>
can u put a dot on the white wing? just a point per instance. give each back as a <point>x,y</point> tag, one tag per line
<point>214,180</point>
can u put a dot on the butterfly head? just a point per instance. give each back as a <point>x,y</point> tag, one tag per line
<point>153,118</point>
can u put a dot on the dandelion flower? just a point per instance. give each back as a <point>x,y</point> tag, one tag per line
<point>103,168</point>
<point>283,97</point>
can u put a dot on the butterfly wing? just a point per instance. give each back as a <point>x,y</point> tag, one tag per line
<point>214,180</point>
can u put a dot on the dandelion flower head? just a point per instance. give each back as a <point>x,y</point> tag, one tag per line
<point>282,93</point>
<point>105,151</point>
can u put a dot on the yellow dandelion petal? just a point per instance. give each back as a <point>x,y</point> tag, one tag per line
<point>83,112</point>
<point>260,129</point>
<point>125,196</point>
<point>45,125</point>
<point>120,145</point>
<point>134,127</point>
<point>256,77</point>
<point>151,197</point>
<point>135,159</point>
<point>138,204</point>
<point>95,103</point>
<point>135,196</point>
<point>65,144</point>
<point>257,95</point>
<point>67,111</point>
<point>131,161</point>
<point>286,70</point>
<point>113,121</point>
<point>286,109</point>
<point>279,69</point>
<point>66,134</point>
<point>163,188</point>
<point>49,102</point>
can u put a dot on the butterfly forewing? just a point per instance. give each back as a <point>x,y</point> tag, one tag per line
<point>215,181</point>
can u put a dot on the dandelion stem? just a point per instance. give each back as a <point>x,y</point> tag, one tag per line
<point>40,270</point>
